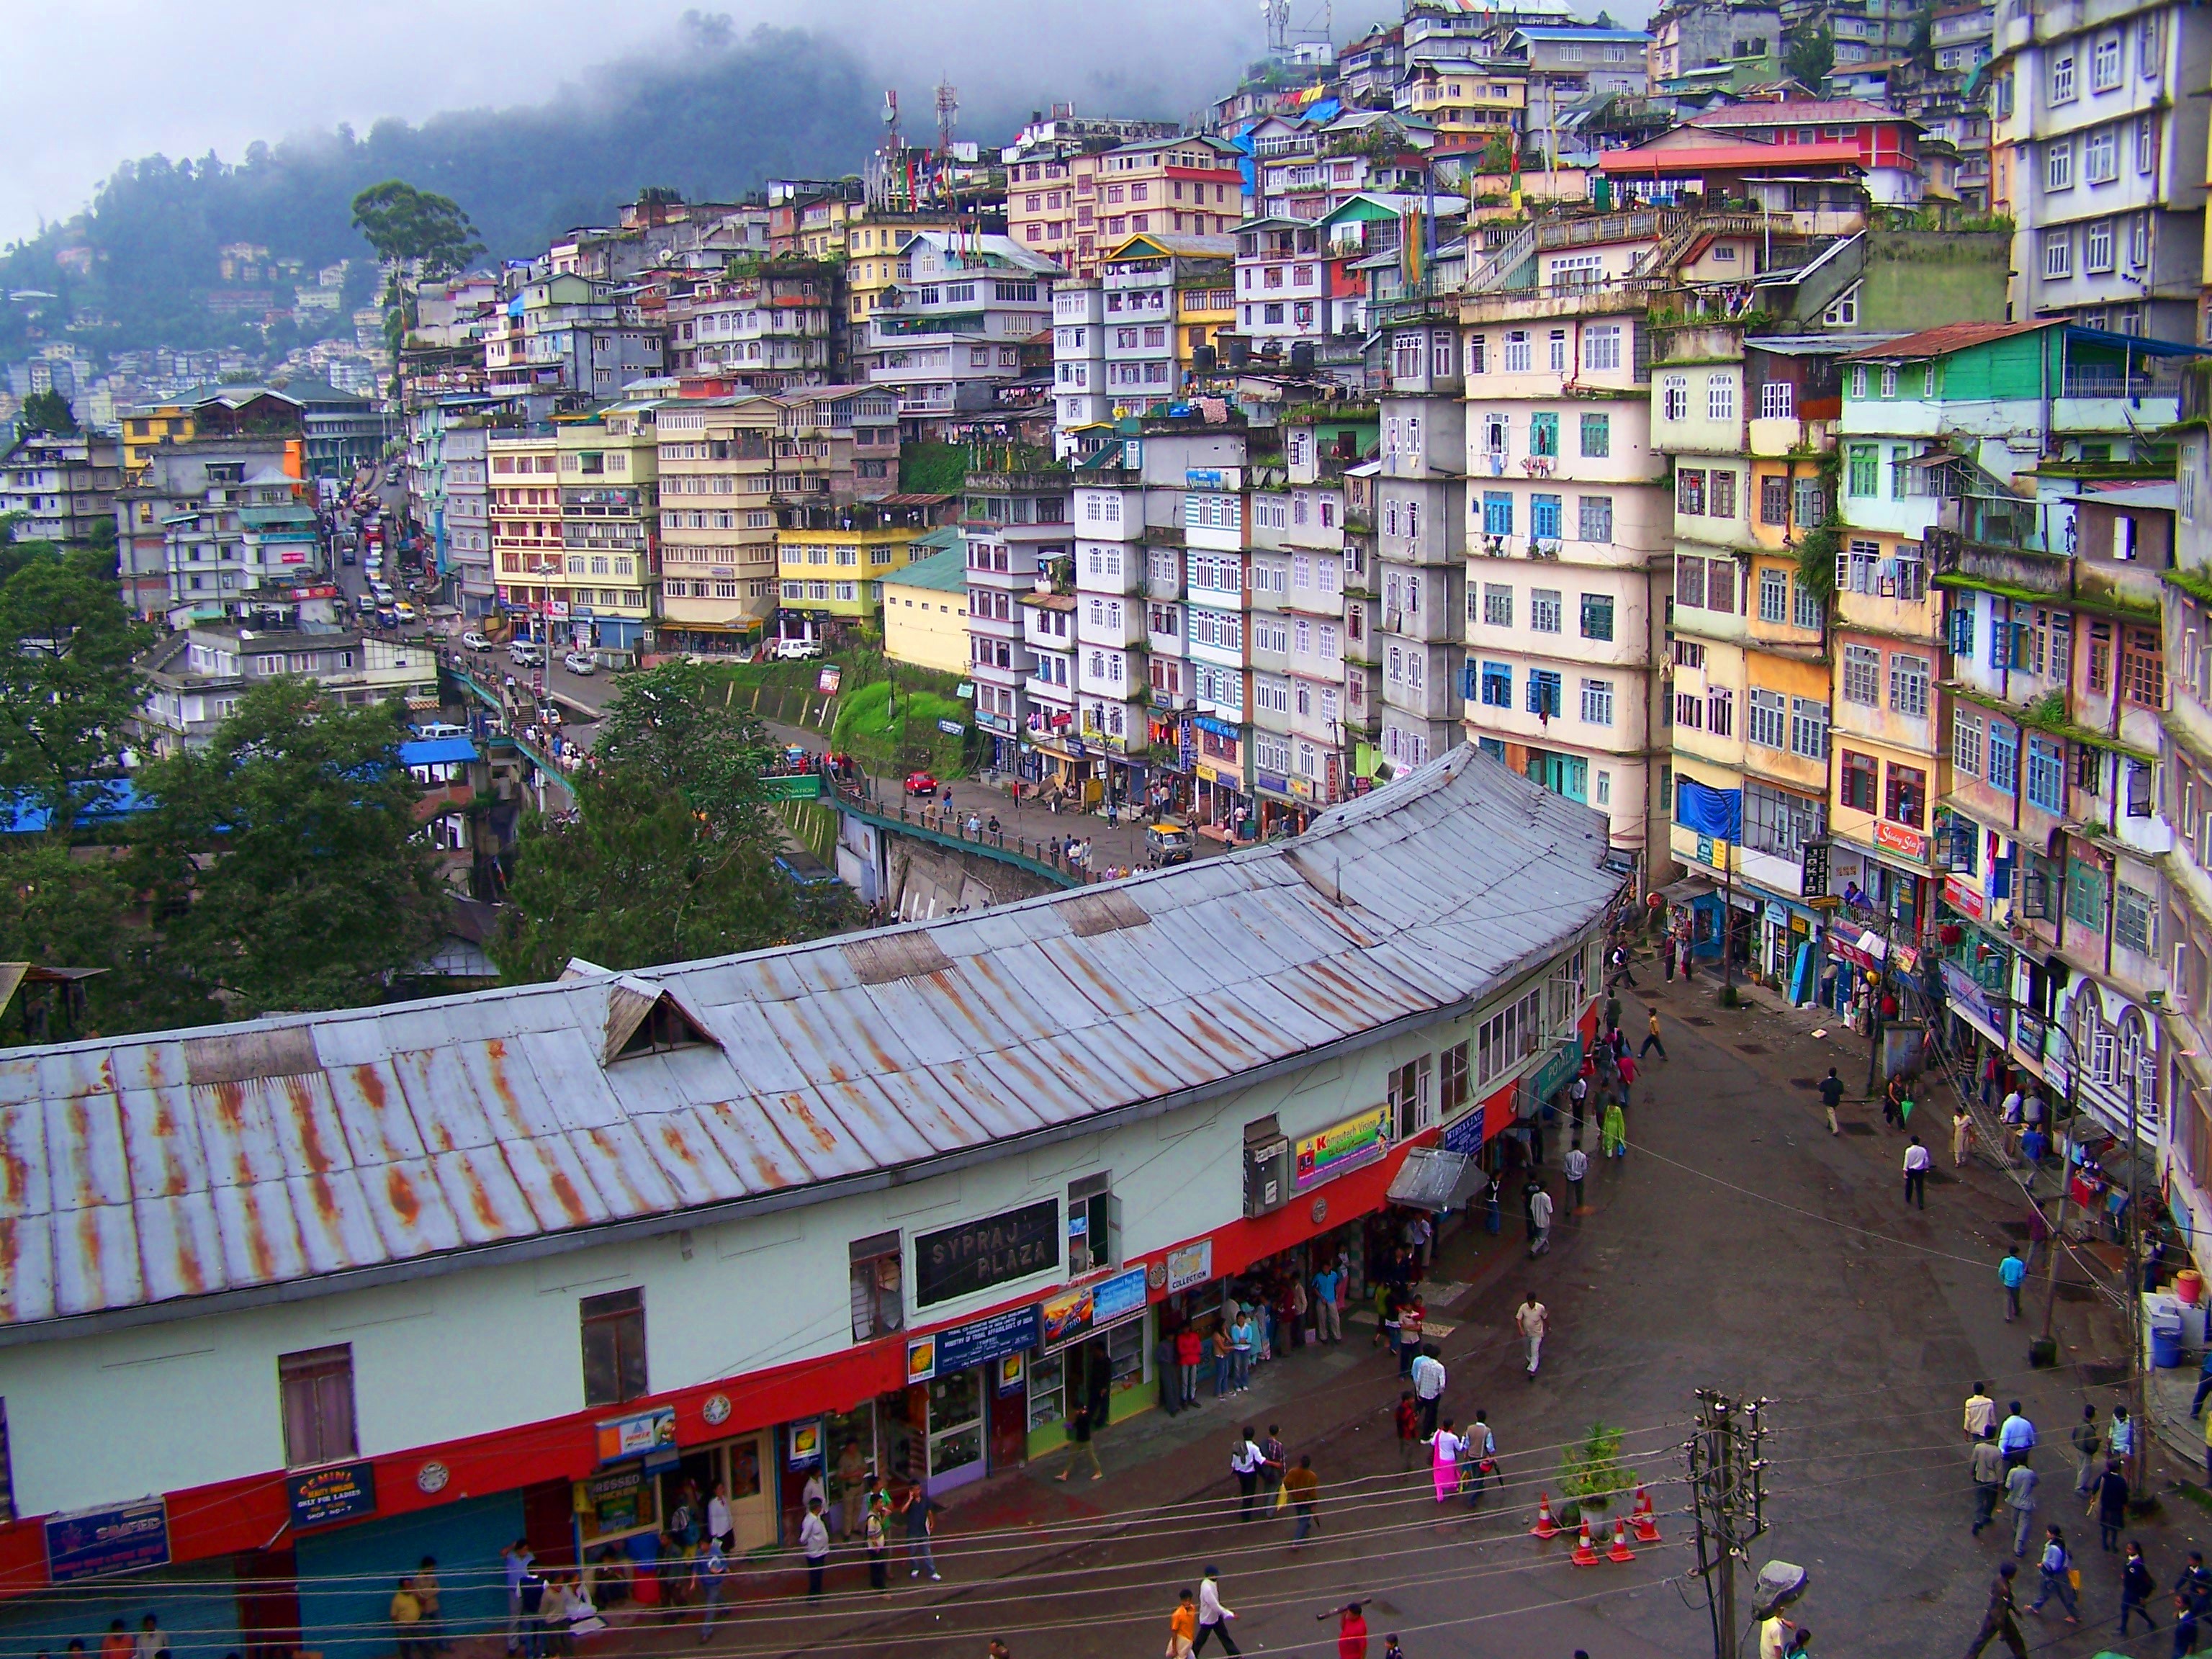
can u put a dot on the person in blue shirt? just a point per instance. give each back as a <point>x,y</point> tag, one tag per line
<point>2012,1274</point>
<point>2016,1438</point>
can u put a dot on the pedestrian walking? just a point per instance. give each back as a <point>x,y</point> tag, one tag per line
<point>1667,957</point>
<point>1998,1621</point>
<point>1190,1351</point>
<point>2055,1569</point>
<point>1916,1173</point>
<point>1651,1037</point>
<point>2137,1587</point>
<point>1182,1626</point>
<point>405,1613</point>
<point>1408,1418</point>
<point>2111,1506</point>
<point>1214,1618</point>
<point>1985,1464</point>
<point>430,1598</point>
<point>1351,1630</point>
<point>2120,1437</point>
<point>1443,1466</point>
<point>516,1558</point>
<point>2192,1595</point>
<point>1428,1378</point>
<point>1831,1095</point>
<point>1303,1487</point>
<point>1981,1412</point>
<point>2015,1436</point>
<point>1621,974</point>
<point>1244,1464</point>
<point>1274,1464</point>
<point>1413,1315</point>
<point>2012,1274</point>
<point>1078,1437</point>
<point>1478,1459</point>
<point>1329,1322</point>
<point>1577,1166</point>
<point>1531,1320</point>
<point>2086,1442</point>
<point>719,1529</point>
<point>814,1544</point>
<point>1613,1132</point>
<point>1539,1223</point>
<point>919,1512</point>
<point>714,1580</point>
<point>1962,1136</point>
<point>2020,1498</point>
<point>878,1543</point>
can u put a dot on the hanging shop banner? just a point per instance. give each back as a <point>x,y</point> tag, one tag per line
<point>320,1497</point>
<point>93,1543</point>
<point>982,1341</point>
<point>1192,1264</point>
<point>1343,1146</point>
<point>636,1437</point>
<point>978,1254</point>
<point>1084,1309</point>
<point>805,1444</point>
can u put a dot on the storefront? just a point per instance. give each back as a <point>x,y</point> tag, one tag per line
<point>967,1399</point>
<point>1096,1339</point>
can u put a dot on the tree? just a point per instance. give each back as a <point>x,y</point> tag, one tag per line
<point>46,411</point>
<point>68,686</point>
<point>403,223</point>
<point>1591,1473</point>
<point>1810,56</point>
<point>65,907</point>
<point>670,855</point>
<point>285,856</point>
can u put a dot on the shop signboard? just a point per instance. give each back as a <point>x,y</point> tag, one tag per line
<point>1463,1135</point>
<point>93,1543</point>
<point>1189,1264</point>
<point>952,728</point>
<point>319,1498</point>
<point>1969,998</point>
<point>942,1354</point>
<point>1342,1147</point>
<point>805,1444</point>
<point>614,1501</point>
<point>1966,900</point>
<point>829,679</point>
<point>1896,838</point>
<point>636,1436</point>
<point>993,1250</point>
<point>1274,780</point>
<point>1084,1309</point>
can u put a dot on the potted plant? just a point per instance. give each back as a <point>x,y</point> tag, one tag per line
<point>1591,1475</point>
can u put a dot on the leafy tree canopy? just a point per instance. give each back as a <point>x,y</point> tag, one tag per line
<point>404,223</point>
<point>46,411</point>
<point>1810,56</point>
<point>68,686</point>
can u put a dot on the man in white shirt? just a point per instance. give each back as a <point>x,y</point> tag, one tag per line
<point>1577,1165</point>
<point>718,1517</point>
<point>1540,1218</point>
<point>814,1544</point>
<point>1427,1376</point>
<point>1916,1162</point>
<point>1244,1463</point>
<point>1214,1618</point>
<point>1531,1319</point>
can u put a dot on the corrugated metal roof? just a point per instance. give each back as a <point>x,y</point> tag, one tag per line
<point>159,1168</point>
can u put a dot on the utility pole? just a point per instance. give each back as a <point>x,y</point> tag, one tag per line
<point>1728,1489</point>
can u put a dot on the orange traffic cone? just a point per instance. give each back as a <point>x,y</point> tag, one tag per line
<point>1645,1522</point>
<point>1619,1552</point>
<point>1584,1555</point>
<point>1544,1526</point>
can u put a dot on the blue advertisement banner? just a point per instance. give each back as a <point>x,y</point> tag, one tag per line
<point>942,1353</point>
<point>322,1496</point>
<point>97,1542</point>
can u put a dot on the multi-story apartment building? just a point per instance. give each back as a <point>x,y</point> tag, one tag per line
<point>448,490</point>
<point>1186,186</point>
<point>195,678</point>
<point>719,582</point>
<point>832,562</point>
<point>1307,519</point>
<point>1421,504</point>
<point>1079,359</point>
<point>610,524</point>
<point>1147,348</point>
<point>875,255</point>
<point>62,483</point>
<point>1283,282</point>
<point>951,332</point>
<point>1311,185</point>
<point>768,330</point>
<point>1704,35</point>
<point>1216,641</point>
<point>2183,940</point>
<point>1043,164</point>
<point>837,441</point>
<point>528,562</point>
<point>2099,136</point>
<point>1961,36</point>
<point>1569,540</point>
<point>577,335</point>
<point>1016,523</point>
<point>1561,65</point>
<point>216,529</point>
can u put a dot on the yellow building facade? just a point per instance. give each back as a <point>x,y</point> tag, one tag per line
<point>926,609</point>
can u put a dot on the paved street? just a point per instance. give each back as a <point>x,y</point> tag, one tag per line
<point>1738,1246</point>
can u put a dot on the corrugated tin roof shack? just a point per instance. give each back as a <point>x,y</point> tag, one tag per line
<point>348,1288</point>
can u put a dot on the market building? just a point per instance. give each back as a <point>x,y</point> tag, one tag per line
<point>756,1219</point>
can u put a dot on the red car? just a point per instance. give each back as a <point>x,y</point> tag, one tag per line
<point>920,783</point>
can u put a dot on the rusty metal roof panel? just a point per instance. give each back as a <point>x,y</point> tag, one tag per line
<point>161,1169</point>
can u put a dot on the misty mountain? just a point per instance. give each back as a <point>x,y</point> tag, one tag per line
<point>716,116</point>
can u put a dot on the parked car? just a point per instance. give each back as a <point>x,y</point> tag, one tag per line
<point>580,662</point>
<point>798,650</point>
<point>1167,842</point>
<point>525,653</point>
<point>475,641</point>
<point>403,611</point>
<point>347,556</point>
<point>920,783</point>
<point>438,729</point>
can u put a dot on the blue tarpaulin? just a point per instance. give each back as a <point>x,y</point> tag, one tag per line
<point>1708,811</point>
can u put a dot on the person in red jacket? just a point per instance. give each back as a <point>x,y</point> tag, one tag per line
<point>1190,1350</point>
<point>1351,1630</point>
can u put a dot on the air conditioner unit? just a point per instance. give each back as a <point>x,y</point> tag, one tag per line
<point>1266,1175</point>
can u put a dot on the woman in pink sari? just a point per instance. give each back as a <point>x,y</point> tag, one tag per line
<point>1447,1446</point>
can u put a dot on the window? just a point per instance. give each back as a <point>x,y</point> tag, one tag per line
<point>1859,781</point>
<point>2105,64</point>
<point>878,1292</point>
<point>1690,491</point>
<point>2046,774</point>
<point>2100,155</point>
<point>1805,609</point>
<point>1544,518</point>
<point>2142,668</point>
<point>1720,398</point>
<point>1674,397</point>
<point>1689,710</point>
<point>2062,78</point>
<point>1544,693</point>
<point>1810,502</point>
<point>1720,711</point>
<point>1908,685</point>
<point>2004,758</point>
<point>1457,1088</point>
<point>1776,400</point>
<point>1862,676</point>
<point>1864,461</point>
<point>1966,742</point>
<point>1597,702</point>
<point>1558,359</point>
<point>1497,688</point>
<point>1600,350</point>
<point>316,1388</point>
<point>1595,518</point>
<point>2058,164</point>
<point>1544,432</point>
<point>1544,610</point>
<point>1773,501</point>
<point>1091,1241</point>
<point>1724,494</point>
<point>2147,39</point>
<point>1765,719</point>
<point>1779,823</point>
<point>2085,894</point>
<point>1520,355</point>
<point>1597,616</point>
<point>1808,729</point>
<point>2097,246</point>
<point>1478,354</point>
<point>1497,604</point>
<point>2058,254</point>
<point>2146,144</point>
<point>1773,596</point>
<point>2135,924</point>
<point>1906,802</point>
<point>1496,512</point>
<point>1597,436</point>
<point>614,1347</point>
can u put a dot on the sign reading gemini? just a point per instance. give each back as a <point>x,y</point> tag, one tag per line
<point>977,1255</point>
